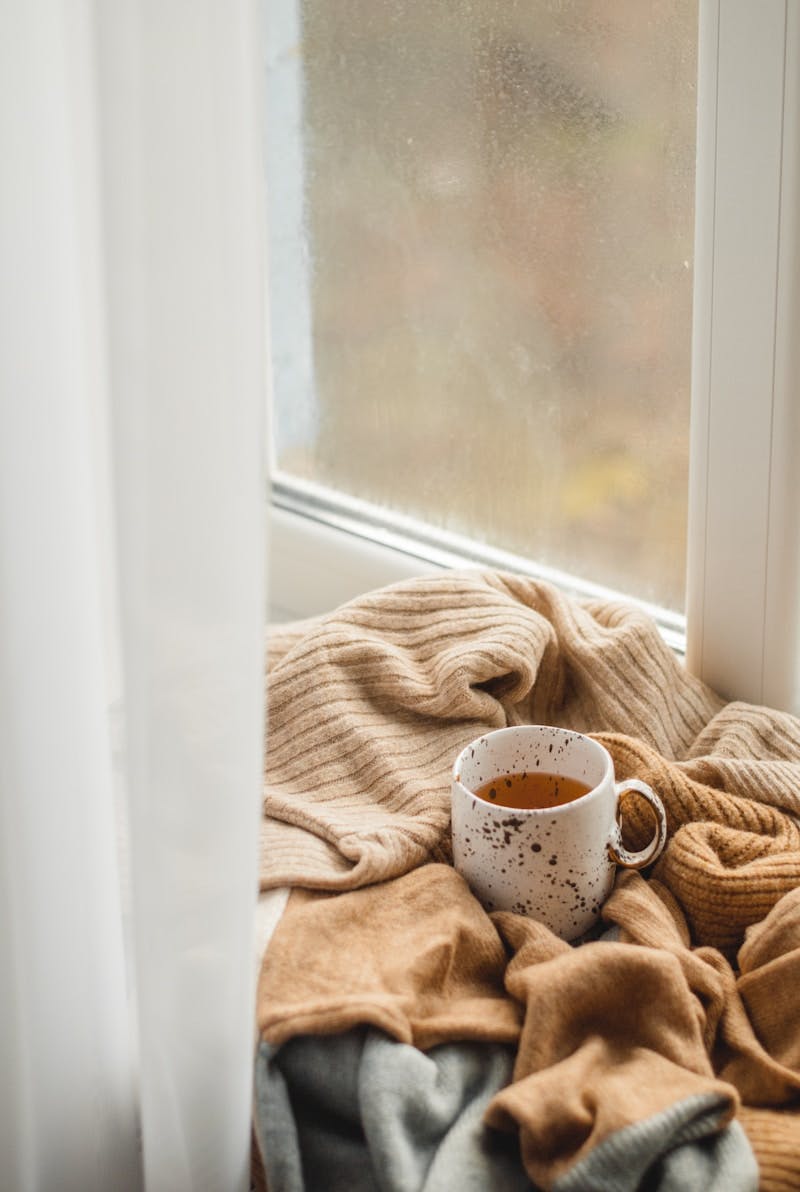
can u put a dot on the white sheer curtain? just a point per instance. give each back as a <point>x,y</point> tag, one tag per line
<point>131,591</point>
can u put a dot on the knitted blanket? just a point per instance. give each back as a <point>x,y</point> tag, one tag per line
<point>698,994</point>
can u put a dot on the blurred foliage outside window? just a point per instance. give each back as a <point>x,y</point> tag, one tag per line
<point>497,223</point>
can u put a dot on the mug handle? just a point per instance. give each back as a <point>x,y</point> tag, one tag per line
<point>617,851</point>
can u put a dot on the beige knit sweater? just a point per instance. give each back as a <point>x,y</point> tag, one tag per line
<point>368,707</point>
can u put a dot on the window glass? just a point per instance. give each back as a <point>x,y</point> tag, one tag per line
<point>481,227</point>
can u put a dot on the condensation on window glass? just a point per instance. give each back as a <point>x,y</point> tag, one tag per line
<point>481,250</point>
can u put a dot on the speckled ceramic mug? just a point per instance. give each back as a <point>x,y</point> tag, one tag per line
<point>557,863</point>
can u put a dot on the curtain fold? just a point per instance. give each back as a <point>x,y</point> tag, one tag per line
<point>132,451</point>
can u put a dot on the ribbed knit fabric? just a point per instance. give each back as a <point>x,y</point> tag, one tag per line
<point>730,857</point>
<point>368,707</point>
<point>723,1162</point>
<point>775,1139</point>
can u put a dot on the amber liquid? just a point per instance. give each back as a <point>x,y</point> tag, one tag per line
<point>532,790</point>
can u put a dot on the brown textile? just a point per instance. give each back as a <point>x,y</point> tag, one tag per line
<point>730,857</point>
<point>612,1036</point>
<point>750,1017</point>
<point>775,1139</point>
<point>418,957</point>
<point>607,1034</point>
<point>367,710</point>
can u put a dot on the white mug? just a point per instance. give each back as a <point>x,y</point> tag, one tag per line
<point>557,863</point>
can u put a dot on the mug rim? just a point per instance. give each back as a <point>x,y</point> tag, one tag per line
<point>562,808</point>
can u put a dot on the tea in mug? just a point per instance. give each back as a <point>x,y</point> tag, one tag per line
<point>532,790</point>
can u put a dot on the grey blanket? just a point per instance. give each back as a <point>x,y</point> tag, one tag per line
<point>360,1112</point>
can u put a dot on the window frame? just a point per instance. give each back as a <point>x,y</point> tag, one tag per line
<point>741,626</point>
<point>744,512</point>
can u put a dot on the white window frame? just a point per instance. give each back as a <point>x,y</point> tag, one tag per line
<point>741,627</point>
<point>744,513</point>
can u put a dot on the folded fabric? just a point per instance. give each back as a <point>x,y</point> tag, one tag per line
<point>627,1052</point>
<point>678,1150</point>
<point>750,1023</point>
<point>612,1037</point>
<point>769,964</point>
<point>360,1112</point>
<point>730,856</point>
<point>368,708</point>
<point>775,1139</point>
<point>768,1070</point>
<point>417,957</point>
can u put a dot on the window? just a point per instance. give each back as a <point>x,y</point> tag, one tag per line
<point>486,232</point>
